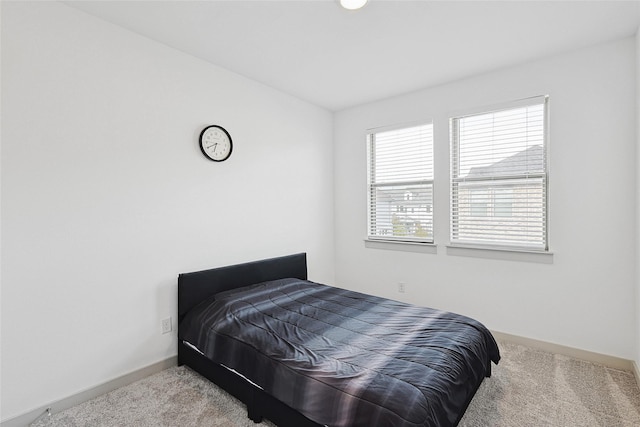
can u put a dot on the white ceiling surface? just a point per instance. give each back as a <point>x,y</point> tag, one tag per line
<point>335,58</point>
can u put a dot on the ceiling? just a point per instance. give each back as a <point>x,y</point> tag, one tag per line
<point>334,58</point>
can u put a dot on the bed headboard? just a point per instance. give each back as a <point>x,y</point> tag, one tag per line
<point>195,287</point>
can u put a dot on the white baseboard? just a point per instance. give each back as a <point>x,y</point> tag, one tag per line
<point>589,356</point>
<point>636,371</point>
<point>90,393</point>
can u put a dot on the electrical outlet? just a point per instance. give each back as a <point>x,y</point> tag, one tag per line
<point>166,325</point>
<point>401,287</point>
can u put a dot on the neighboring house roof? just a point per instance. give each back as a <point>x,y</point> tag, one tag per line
<point>529,160</point>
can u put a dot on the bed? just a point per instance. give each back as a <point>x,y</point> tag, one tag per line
<point>303,354</point>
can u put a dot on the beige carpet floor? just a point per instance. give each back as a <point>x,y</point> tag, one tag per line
<point>528,388</point>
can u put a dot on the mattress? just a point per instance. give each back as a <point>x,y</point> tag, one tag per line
<point>343,358</point>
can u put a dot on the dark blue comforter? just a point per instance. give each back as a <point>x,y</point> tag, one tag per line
<point>344,358</point>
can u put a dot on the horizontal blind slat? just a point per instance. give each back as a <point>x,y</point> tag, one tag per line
<point>498,177</point>
<point>401,184</point>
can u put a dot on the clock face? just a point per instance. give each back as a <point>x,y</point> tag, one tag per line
<point>215,143</point>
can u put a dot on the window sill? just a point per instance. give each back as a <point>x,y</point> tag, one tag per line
<point>427,248</point>
<point>465,251</point>
<point>501,254</point>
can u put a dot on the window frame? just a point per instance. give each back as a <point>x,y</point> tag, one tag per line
<point>498,182</point>
<point>372,185</point>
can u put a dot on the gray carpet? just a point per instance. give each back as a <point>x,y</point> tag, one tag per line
<point>528,388</point>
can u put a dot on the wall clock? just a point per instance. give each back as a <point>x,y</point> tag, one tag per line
<point>215,143</point>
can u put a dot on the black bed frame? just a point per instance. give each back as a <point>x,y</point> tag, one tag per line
<point>198,286</point>
<point>195,287</point>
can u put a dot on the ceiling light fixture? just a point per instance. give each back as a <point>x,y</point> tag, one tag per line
<point>352,4</point>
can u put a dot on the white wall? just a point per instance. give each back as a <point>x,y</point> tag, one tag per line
<point>585,298</point>
<point>106,196</point>
<point>0,222</point>
<point>637,324</point>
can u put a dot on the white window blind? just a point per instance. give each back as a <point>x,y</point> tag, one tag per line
<point>401,184</point>
<point>499,177</point>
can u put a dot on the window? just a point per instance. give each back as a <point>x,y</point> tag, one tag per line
<point>401,184</point>
<point>499,177</point>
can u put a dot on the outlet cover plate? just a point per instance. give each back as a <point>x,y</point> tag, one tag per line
<point>166,325</point>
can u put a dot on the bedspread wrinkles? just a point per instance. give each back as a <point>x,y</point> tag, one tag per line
<point>343,358</point>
